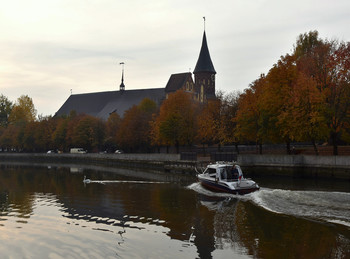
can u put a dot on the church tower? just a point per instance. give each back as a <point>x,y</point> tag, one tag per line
<point>204,74</point>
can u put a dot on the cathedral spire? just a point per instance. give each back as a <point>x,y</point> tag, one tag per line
<point>122,86</point>
<point>204,63</point>
<point>204,73</point>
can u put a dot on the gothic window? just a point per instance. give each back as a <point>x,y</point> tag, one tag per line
<point>202,93</point>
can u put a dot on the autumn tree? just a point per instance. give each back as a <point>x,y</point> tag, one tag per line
<point>216,123</point>
<point>88,132</point>
<point>112,127</point>
<point>228,115</point>
<point>59,134</point>
<point>209,121</point>
<point>327,63</point>
<point>23,110</point>
<point>307,104</point>
<point>276,100</point>
<point>251,116</point>
<point>134,131</point>
<point>9,137</point>
<point>43,135</point>
<point>176,123</point>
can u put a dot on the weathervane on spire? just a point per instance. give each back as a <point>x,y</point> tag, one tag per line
<point>204,21</point>
<point>122,86</point>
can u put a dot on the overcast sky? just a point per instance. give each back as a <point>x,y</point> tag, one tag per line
<point>52,47</point>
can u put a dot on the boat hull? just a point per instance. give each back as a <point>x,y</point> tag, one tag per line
<point>217,186</point>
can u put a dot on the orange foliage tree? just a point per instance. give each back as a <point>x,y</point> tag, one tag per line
<point>112,127</point>
<point>327,63</point>
<point>251,117</point>
<point>216,124</point>
<point>176,123</point>
<point>134,131</point>
<point>276,100</point>
<point>209,122</point>
<point>23,110</point>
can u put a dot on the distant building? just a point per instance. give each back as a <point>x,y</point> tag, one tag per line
<point>102,104</point>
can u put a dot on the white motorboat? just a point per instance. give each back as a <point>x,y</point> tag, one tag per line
<point>226,177</point>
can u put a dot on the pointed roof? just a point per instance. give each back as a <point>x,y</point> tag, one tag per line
<point>177,81</point>
<point>204,63</point>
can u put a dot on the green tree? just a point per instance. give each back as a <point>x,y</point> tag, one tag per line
<point>5,110</point>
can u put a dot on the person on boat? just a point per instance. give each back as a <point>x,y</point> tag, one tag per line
<point>240,174</point>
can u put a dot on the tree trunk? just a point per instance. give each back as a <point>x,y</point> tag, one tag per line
<point>177,147</point>
<point>260,147</point>
<point>288,148</point>
<point>237,150</point>
<point>315,147</point>
<point>335,143</point>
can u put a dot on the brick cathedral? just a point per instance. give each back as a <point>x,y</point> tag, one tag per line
<point>102,104</point>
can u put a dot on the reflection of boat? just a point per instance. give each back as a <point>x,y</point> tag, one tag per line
<point>226,177</point>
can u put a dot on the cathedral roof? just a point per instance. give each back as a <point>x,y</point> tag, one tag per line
<point>102,104</point>
<point>204,63</point>
<point>177,81</point>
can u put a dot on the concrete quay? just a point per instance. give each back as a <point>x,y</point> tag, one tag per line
<point>287,165</point>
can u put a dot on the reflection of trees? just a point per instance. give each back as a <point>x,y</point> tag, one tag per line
<point>14,194</point>
<point>269,235</point>
<point>220,224</point>
<point>3,201</point>
<point>253,230</point>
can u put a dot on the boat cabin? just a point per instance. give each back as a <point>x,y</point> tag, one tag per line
<point>228,173</point>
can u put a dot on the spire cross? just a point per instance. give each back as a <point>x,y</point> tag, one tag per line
<point>122,86</point>
<point>204,21</point>
<point>122,63</point>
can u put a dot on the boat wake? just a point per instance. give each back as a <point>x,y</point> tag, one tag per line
<point>320,205</point>
<point>124,181</point>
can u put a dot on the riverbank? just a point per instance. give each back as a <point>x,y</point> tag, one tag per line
<point>336,167</point>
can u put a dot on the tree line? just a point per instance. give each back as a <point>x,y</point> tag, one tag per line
<point>304,97</point>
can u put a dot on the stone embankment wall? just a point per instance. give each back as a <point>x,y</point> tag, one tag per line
<point>292,165</point>
<point>340,162</point>
<point>298,165</point>
<point>168,162</point>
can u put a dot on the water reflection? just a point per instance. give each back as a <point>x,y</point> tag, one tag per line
<point>51,213</point>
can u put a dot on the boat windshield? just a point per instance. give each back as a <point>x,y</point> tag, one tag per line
<point>229,173</point>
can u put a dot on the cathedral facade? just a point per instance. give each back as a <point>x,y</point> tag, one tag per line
<point>203,86</point>
<point>102,104</point>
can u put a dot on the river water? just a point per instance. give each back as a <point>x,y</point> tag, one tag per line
<point>48,212</point>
